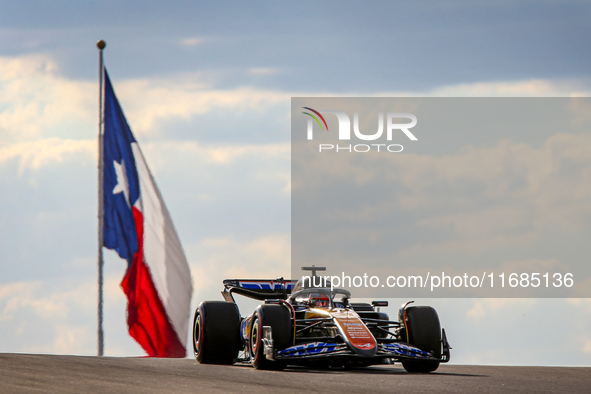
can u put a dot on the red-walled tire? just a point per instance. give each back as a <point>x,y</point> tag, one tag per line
<point>216,332</point>
<point>278,318</point>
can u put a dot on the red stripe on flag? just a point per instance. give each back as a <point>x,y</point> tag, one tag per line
<point>146,317</point>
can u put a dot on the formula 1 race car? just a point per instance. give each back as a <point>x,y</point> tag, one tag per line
<point>300,324</point>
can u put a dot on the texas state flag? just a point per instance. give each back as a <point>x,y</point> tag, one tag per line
<point>138,226</point>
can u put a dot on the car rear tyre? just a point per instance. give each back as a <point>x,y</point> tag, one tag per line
<point>216,332</point>
<point>278,317</point>
<point>423,331</point>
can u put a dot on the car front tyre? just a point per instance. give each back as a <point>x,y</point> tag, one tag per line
<point>423,331</point>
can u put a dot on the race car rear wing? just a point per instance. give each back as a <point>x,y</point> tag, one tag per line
<point>259,289</point>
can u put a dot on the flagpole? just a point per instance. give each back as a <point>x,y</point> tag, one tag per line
<point>100,45</point>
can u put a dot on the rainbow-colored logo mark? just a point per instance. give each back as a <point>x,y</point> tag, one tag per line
<point>315,118</point>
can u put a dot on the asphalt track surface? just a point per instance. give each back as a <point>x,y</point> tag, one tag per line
<point>23,373</point>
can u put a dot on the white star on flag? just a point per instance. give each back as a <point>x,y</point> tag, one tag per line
<point>122,183</point>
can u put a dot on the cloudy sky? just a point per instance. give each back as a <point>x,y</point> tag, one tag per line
<point>206,89</point>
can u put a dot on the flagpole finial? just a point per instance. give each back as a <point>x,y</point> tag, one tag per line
<point>101,44</point>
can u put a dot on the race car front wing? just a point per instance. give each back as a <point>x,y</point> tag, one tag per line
<point>318,350</point>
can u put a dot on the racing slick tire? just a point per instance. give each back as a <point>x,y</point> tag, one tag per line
<point>278,317</point>
<point>216,332</point>
<point>423,331</point>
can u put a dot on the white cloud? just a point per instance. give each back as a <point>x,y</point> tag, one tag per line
<point>268,255</point>
<point>520,88</point>
<point>226,154</point>
<point>148,102</point>
<point>487,308</point>
<point>36,101</point>
<point>38,317</point>
<point>192,41</point>
<point>263,71</point>
<point>583,304</point>
<point>47,317</point>
<point>216,259</point>
<point>17,295</point>
<point>38,153</point>
<point>517,88</point>
<point>70,339</point>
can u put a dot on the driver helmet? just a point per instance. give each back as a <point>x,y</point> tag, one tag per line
<point>319,300</point>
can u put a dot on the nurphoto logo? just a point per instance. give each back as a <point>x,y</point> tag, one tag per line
<point>344,133</point>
